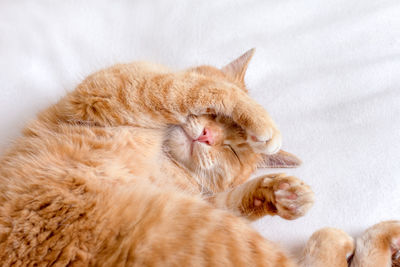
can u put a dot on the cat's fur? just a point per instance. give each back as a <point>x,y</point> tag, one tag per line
<point>143,166</point>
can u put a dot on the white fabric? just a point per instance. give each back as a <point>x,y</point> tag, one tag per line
<point>327,71</point>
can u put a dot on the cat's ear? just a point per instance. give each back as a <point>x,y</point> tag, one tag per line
<point>237,68</point>
<point>282,159</point>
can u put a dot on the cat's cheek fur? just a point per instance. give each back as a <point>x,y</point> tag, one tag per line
<point>194,126</point>
<point>202,157</point>
<point>179,145</point>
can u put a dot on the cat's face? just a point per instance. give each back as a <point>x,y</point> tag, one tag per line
<point>214,148</point>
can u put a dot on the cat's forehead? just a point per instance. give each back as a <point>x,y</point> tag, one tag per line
<point>217,74</point>
<point>209,71</point>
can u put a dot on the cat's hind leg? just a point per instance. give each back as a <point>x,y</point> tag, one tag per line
<point>328,247</point>
<point>378,246</point>
<point>272,194</point>
<point>158,227</point>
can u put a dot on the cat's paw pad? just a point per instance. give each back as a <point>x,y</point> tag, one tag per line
<point>292,197</point>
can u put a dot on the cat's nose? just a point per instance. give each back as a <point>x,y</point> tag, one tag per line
<point>206,137</point>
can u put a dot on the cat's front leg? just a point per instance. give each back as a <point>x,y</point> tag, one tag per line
<point>262,133</point>
<point>273,194</point>
<point>228,100</point>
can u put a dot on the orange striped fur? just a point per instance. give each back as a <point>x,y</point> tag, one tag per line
<point>143,166</point>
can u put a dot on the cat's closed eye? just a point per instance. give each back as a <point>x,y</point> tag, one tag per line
<point>233,151</point>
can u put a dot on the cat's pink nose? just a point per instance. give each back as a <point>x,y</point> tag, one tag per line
<point>206,137</point>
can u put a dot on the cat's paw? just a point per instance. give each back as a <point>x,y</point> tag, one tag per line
<point>326,241</point>
<point>379,245</point>
<point>384,236</point>
<point>277,194</point>
<point>268,144</point>
<point>386,232</point>
<point>292,197</point>
<point>262,132</point>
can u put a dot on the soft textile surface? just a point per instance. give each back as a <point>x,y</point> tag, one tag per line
<point>327,71</point>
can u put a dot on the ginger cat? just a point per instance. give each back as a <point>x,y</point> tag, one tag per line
<point>143,166</point>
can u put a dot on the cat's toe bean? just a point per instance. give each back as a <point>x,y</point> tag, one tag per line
<point>255,139</point>
<point>284,186</point>
<point>284,195</point>
<point>258,202</point>
<point>279,194</point>
<point>293,198</point>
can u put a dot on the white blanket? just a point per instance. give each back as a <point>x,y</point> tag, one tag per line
<point>327,71</point>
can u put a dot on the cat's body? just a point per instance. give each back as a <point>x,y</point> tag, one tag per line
<point>134,168</point>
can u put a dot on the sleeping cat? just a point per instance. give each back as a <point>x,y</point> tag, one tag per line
<point>143,166</point>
